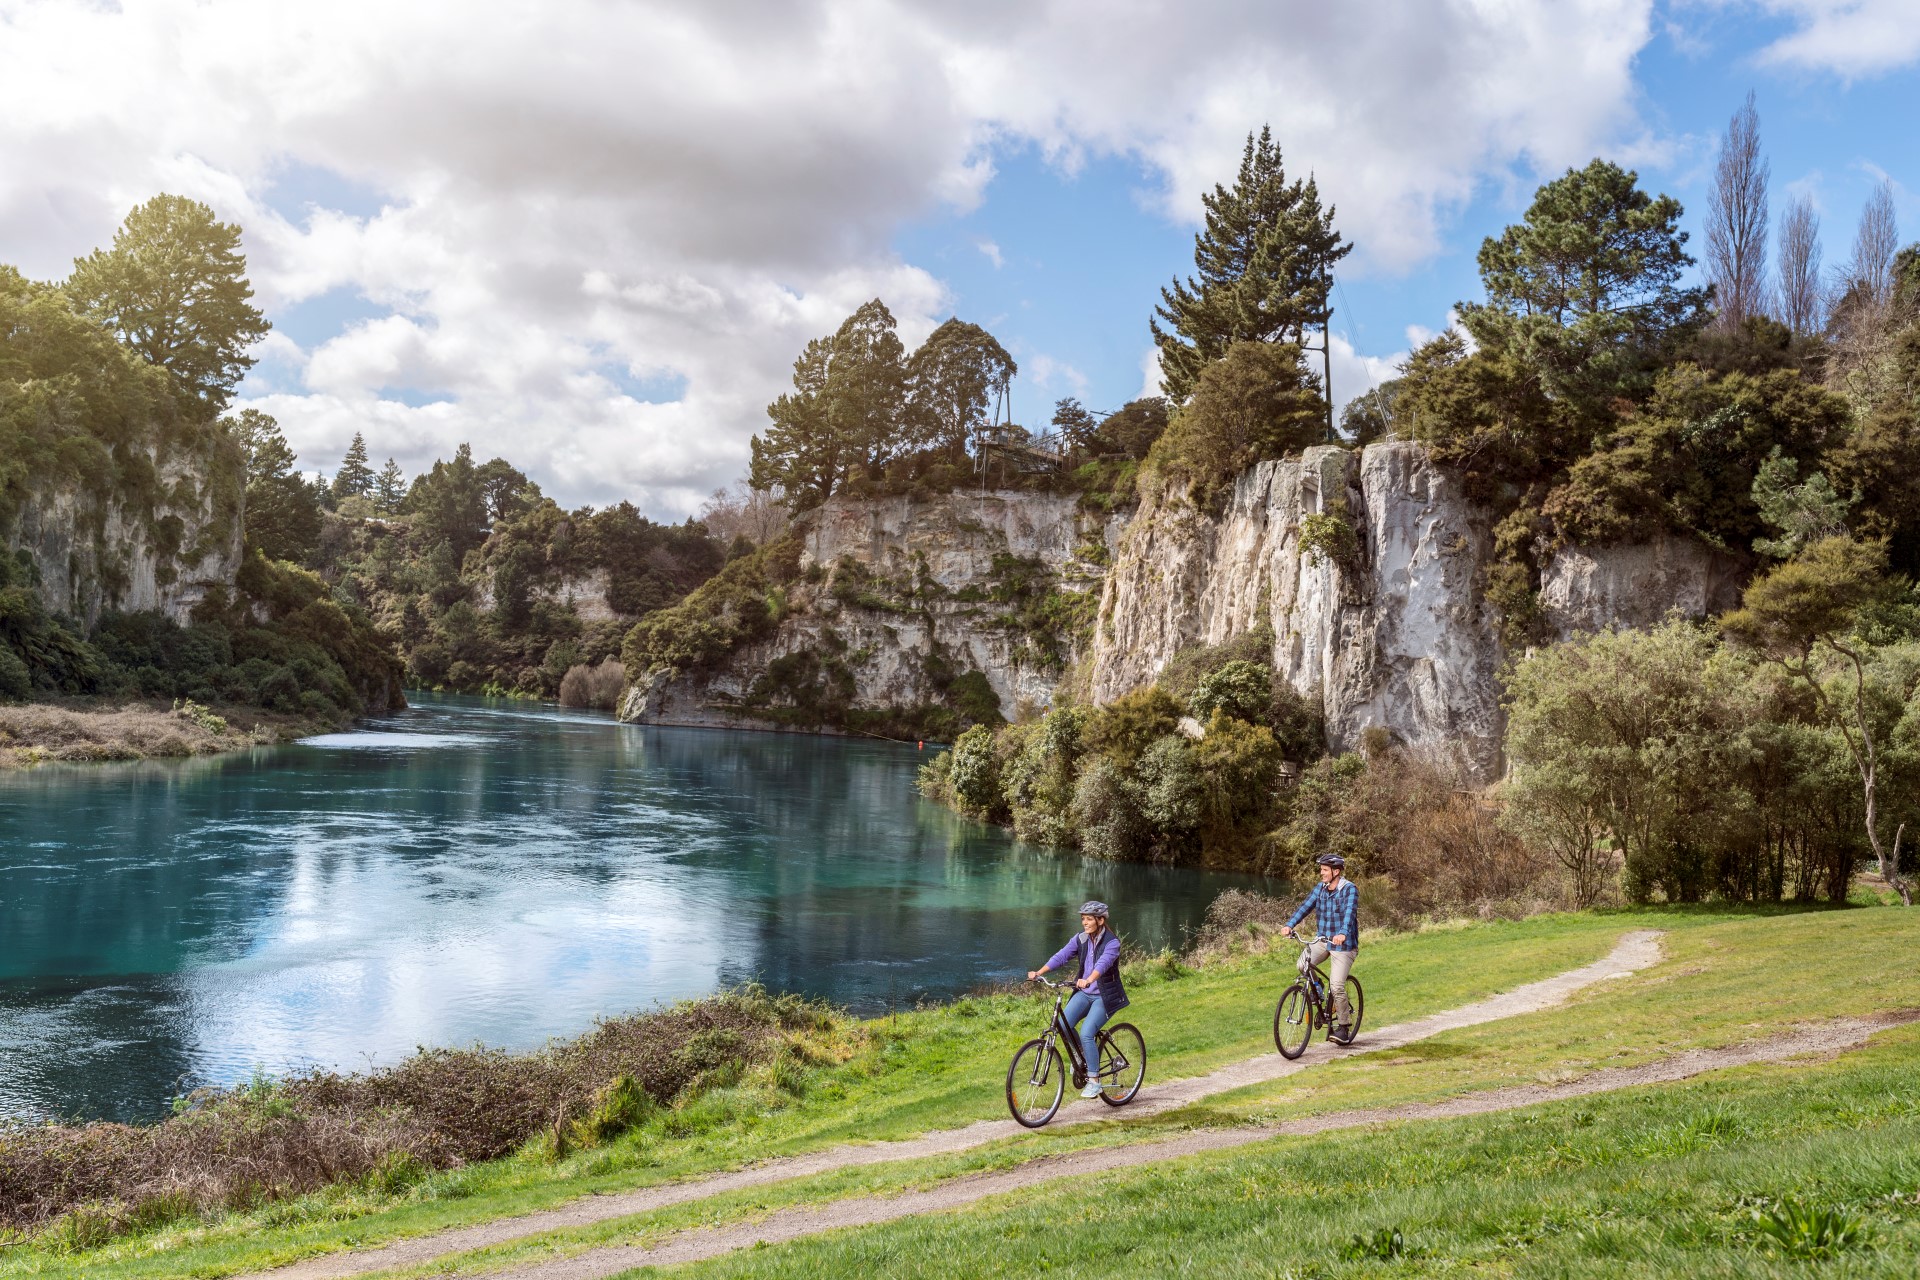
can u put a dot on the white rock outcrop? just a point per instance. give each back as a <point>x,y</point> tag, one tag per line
<point>93,555</point>
<point>1398,637</point>
<point>946,551</point>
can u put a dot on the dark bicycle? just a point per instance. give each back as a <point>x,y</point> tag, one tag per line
<point>1307,1006</point>
<point>1037,1077</point>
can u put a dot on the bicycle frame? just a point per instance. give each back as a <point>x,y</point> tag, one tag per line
<point>1319,994</point>
<point>1059,1026</point>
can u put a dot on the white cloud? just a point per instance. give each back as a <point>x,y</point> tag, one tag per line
<point>1852,39</point>
<point>1152,381</point>
<point>991,252</point>
<point>570,199</point>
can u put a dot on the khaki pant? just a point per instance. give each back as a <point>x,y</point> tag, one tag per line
<point>1337,972</point>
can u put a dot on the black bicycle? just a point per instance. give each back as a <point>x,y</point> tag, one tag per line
<point>1037,1078</point>
<point>1308,1005</point>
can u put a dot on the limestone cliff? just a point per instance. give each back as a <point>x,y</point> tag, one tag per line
<point>159,544</point>
<point>899,599</point>
<point>1387,629</point>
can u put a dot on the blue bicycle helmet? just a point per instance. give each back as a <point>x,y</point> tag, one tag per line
<point>1092,908</point>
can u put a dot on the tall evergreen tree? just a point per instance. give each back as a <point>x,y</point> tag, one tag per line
<point>1265,262</point>
<point>174,287</point>
<point>282,510</point>
<point>389,488</point>
<point>1585,291</point>
<point>355,477</point>
<point>952,379</point>
<point>847,409</point>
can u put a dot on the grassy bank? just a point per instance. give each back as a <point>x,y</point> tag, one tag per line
<point>80,729</point>
<point>846,1080</point>
<point>1660,1180</point>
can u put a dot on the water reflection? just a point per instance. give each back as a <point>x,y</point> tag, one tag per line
<point>465,871</point>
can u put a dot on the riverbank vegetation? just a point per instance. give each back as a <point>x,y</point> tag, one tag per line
<point>936,1068</point>
<point>110,402</point>
<point>1595,395</point>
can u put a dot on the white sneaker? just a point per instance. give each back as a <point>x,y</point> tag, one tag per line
<point>1091,1091</point>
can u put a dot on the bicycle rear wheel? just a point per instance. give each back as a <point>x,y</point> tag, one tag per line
<point>1293,1022</point>
<point>1123,1063</point>
<point>1036,1078</point>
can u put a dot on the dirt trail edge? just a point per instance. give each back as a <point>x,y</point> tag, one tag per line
<point>1635,951</point>
<point>792,1224</point>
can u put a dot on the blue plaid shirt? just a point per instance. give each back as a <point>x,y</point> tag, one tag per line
<point>1335,911</point>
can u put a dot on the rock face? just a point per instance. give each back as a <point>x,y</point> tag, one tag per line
<point>904,594</point>
<point>1586,589</point>
<point>96,554</point>
<point>1367,566</point>
<point>1397,633</point>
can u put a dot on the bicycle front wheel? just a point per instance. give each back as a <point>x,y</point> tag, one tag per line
<point>1036,1078</point>
<point>1293,1022</point>
<point>1123,1063</point>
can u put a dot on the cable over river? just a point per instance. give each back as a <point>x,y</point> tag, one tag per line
<point>485,871</point>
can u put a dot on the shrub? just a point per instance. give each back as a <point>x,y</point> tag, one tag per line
<point>1107,813</point>
<point>597,687</point>
<point>1240,689</point>
<point>1259,401</point>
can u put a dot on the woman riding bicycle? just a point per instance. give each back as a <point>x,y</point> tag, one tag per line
<point>1335,906</point>
<point>1099,995</point>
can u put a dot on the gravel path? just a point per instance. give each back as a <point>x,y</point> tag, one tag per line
<point>806,1220</point>
<point>1635,951</point>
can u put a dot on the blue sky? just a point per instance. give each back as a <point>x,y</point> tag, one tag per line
<point>1077,258</point>
<point>592,238</point>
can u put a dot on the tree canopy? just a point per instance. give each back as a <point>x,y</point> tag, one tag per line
<point>174,287</point>
<point>1263,265</point>
<point>952,380</point>
<point>1585,289</point>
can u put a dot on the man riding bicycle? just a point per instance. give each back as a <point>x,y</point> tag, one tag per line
<point>1099,994</point>
<point>1335,907</point>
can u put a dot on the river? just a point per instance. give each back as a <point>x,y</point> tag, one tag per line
<point>474,871</point>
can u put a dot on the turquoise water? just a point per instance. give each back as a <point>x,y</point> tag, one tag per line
<point>472,871</point>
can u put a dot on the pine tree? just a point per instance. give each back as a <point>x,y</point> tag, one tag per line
<point>1265,262</point>
<point>847,409</point>
<point>355,478</point>
<point>389,488</point>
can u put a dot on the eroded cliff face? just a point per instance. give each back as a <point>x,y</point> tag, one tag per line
<point>160,549</point>
<point>899,596</point>
<point>1393,633</point>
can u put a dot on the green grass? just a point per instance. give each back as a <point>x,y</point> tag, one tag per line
<point>925,1070</point>
<point>1676,1180</point>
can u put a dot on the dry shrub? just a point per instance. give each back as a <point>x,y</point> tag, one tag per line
<point>232,1149</point>
<point>1417,838</point>
<point>1236,920</point>
<point>597,687</point>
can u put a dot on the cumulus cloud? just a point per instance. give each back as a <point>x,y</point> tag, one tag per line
<point>1849,38</point>
<point>560,209</point>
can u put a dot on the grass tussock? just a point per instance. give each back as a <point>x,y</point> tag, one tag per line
<point>270,1140</point>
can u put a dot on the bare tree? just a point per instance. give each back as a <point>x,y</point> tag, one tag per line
<point>1874,244</point>
<point>1737,221</point>
<point>758,515</point>
<point>1800,301</point>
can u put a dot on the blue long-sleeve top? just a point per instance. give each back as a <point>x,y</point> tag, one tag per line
<point>1335,911</point>
<point>1101,955</point>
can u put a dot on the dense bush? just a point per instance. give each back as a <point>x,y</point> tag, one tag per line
<point>1259,401</point>
<point>1696,770</point>
<point>1124,781</point>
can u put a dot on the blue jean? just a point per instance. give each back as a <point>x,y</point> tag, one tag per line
<point>1089,1006</point>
